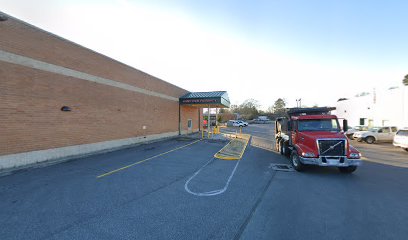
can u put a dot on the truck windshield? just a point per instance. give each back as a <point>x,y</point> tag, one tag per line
<point>318,125</point>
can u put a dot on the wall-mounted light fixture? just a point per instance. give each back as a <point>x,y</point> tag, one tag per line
<point>66,109</point>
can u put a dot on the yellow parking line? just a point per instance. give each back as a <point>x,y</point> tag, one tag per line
<point>144,160</point>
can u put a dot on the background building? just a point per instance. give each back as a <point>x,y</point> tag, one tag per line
<point>383,107</point>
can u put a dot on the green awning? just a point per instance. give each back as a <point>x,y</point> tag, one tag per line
<point>218,99</point>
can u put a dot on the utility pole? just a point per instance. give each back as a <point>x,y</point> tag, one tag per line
<point>299,103</point>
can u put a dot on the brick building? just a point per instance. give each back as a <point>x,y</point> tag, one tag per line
<point>108,104</point>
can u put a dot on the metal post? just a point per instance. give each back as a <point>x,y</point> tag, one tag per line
<point>216,120</point>
<point>216,117</point>
<point>199,119</point>
<point>209,120</point>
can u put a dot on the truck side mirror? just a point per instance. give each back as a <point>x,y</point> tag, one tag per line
<point>345,125</point>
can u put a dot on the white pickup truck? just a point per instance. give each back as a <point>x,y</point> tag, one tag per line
<point>401,139</point>
<point>376,134</point>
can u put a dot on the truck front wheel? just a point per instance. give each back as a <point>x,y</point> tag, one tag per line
<point>349,169</point>
<point>297,165</point>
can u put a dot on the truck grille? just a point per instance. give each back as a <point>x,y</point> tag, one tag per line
<point>332,147</point>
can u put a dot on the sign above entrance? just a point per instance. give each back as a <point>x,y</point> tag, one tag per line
<point>217,99</point>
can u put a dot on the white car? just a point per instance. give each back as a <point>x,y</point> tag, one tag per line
<point>241,123</point>
<point>236,123</point>
<point>401,139</point>
<point>376,134</point>
<point>351,130</point>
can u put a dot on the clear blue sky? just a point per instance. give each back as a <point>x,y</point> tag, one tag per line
<point>315,50</point>
<point>372,31</point>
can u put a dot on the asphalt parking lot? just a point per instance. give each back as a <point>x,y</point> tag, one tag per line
<point>384,153</point>
<point>142,193</point>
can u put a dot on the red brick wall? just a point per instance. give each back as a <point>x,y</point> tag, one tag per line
<point>30,99</point>
<point>22,39</point>
<point>189,113</point>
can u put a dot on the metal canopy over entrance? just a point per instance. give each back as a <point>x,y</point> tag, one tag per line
<point>218,99</point>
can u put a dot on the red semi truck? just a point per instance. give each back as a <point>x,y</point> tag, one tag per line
<point>313,136</point>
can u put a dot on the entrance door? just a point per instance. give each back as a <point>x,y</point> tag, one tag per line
<point>189,126</point>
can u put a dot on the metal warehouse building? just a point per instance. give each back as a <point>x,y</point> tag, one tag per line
<point>384,107</point>
<point>59,100</point>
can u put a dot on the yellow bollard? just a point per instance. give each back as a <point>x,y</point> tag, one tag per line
<point>202,134</point>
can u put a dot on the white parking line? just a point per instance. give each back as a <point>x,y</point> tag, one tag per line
<point>214,192</point>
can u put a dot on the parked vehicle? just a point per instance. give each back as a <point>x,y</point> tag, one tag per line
<point>239,124</point>
<point>236,123</point>
<point>401,139</point>
<point>376,134</point>
<point>313,136</point>
<point>230,123</point>
<point>262,121</point>
<point>243,123</point>
<point>352,130</point>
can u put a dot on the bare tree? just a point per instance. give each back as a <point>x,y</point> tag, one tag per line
<point>248,109</point>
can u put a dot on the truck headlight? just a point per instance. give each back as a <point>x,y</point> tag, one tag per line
<point>308,154</point>
<point>355,155</point>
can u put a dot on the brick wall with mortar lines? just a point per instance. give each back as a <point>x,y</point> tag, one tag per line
<point>30,99</point>
<point>22,39</point>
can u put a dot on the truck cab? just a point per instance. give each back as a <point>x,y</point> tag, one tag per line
<point>313,136</point>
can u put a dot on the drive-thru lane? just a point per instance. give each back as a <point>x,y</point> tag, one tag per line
<point>144,201</point>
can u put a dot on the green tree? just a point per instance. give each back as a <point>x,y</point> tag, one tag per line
<point>279,107</point>
<point>405,80</point>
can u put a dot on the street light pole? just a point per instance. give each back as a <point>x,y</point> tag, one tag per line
<point>299,103</point>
